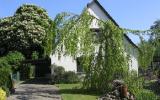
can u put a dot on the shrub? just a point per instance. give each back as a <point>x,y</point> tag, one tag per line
<point>135,86</point>
<point>14,59</point>
<point>8,64</point>
<point>134,82</point>
<point>70,77</point>
<point>5,80</point>
<point>58,74</point>
<point>35,55</point>
<point>2,94</point>
<point>27,71</point>
<point>146,95</point>
<point>7,90</point>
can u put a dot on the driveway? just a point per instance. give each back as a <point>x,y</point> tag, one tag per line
<point>27,91</point>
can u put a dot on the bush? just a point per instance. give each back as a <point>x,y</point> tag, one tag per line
<point>2,94</point>
<point>27,71</point>
<point>5,80</point>
<point>14,59</point>
<point>6,89</point>
<point>35,55</point>
<point>70,77</point>
<point>134,82</point>
<point>58,74</point>
<point>135,86</point>
<point>146,95</point>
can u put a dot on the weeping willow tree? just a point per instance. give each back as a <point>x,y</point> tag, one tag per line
<point>147,51</point>
<point>102,53</point>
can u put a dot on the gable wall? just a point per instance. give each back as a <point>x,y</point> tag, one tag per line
<point>133,55</point>
<point>130,50</point>
<point>68,62</point>
<point>95,11</point>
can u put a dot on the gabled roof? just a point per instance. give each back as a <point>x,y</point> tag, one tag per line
<point>109,16</point>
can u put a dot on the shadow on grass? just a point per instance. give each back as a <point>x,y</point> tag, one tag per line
<point>79,91</point>
<point>153,86</point>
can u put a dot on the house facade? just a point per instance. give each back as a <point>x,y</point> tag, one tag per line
<point>95,9</point>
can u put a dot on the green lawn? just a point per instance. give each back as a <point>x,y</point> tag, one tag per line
<point>74,92</point>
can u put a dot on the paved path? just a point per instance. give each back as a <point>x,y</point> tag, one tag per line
<point>35,92</point>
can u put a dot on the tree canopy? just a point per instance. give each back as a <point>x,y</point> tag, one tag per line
<point>28,29</point>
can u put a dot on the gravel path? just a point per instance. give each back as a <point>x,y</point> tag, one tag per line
<point>35,92</point>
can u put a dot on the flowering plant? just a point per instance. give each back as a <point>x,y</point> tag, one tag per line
<point>2,94</point>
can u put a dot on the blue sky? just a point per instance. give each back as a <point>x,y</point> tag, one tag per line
<point>132,14</point>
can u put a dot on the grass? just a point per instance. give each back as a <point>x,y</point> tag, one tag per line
<point>153,86</point>
<point>75,92</point>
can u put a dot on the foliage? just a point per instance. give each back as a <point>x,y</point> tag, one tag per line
<point>4,77</point>
<point>70,77</point>
<point>7,90</point>
<point>155,30</point>
<point>62,76</point>
<point>108,60</point>
<point>4,63</point>
<point>145,95</point>
<point>14,59</point>
<point>35,55</point>
<point>58,74</point>
<point>28,29</point>
<point>155,37</point>
<point>5,80</point>
<point>73,35</point>
<point>136,86</point>
<point>27,71</point>
<point>147,50</point>
<point>2,94</point>
<point>134,83</point>
<point>9,63</point>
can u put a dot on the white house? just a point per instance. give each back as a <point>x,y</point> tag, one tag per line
<point>95,9</point>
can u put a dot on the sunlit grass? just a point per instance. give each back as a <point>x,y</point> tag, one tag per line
<point>74,92</point>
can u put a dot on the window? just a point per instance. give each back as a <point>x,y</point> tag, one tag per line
<point>79,65</point>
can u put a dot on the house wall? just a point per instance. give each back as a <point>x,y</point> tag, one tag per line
<point>95,11</point>
<point>132,52</point>
<point>68,62</point>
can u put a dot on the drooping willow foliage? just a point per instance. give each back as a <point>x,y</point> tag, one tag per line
<point>148,49</point>
<point>146,54</point>
<point>102,52</point>
<point>73,35</point>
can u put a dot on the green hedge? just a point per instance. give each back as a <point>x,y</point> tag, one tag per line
<point>60,76</point>
<point>70,77</point>
<point>146,95</point>
<point>8,64</point>
<point>27,71</point>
